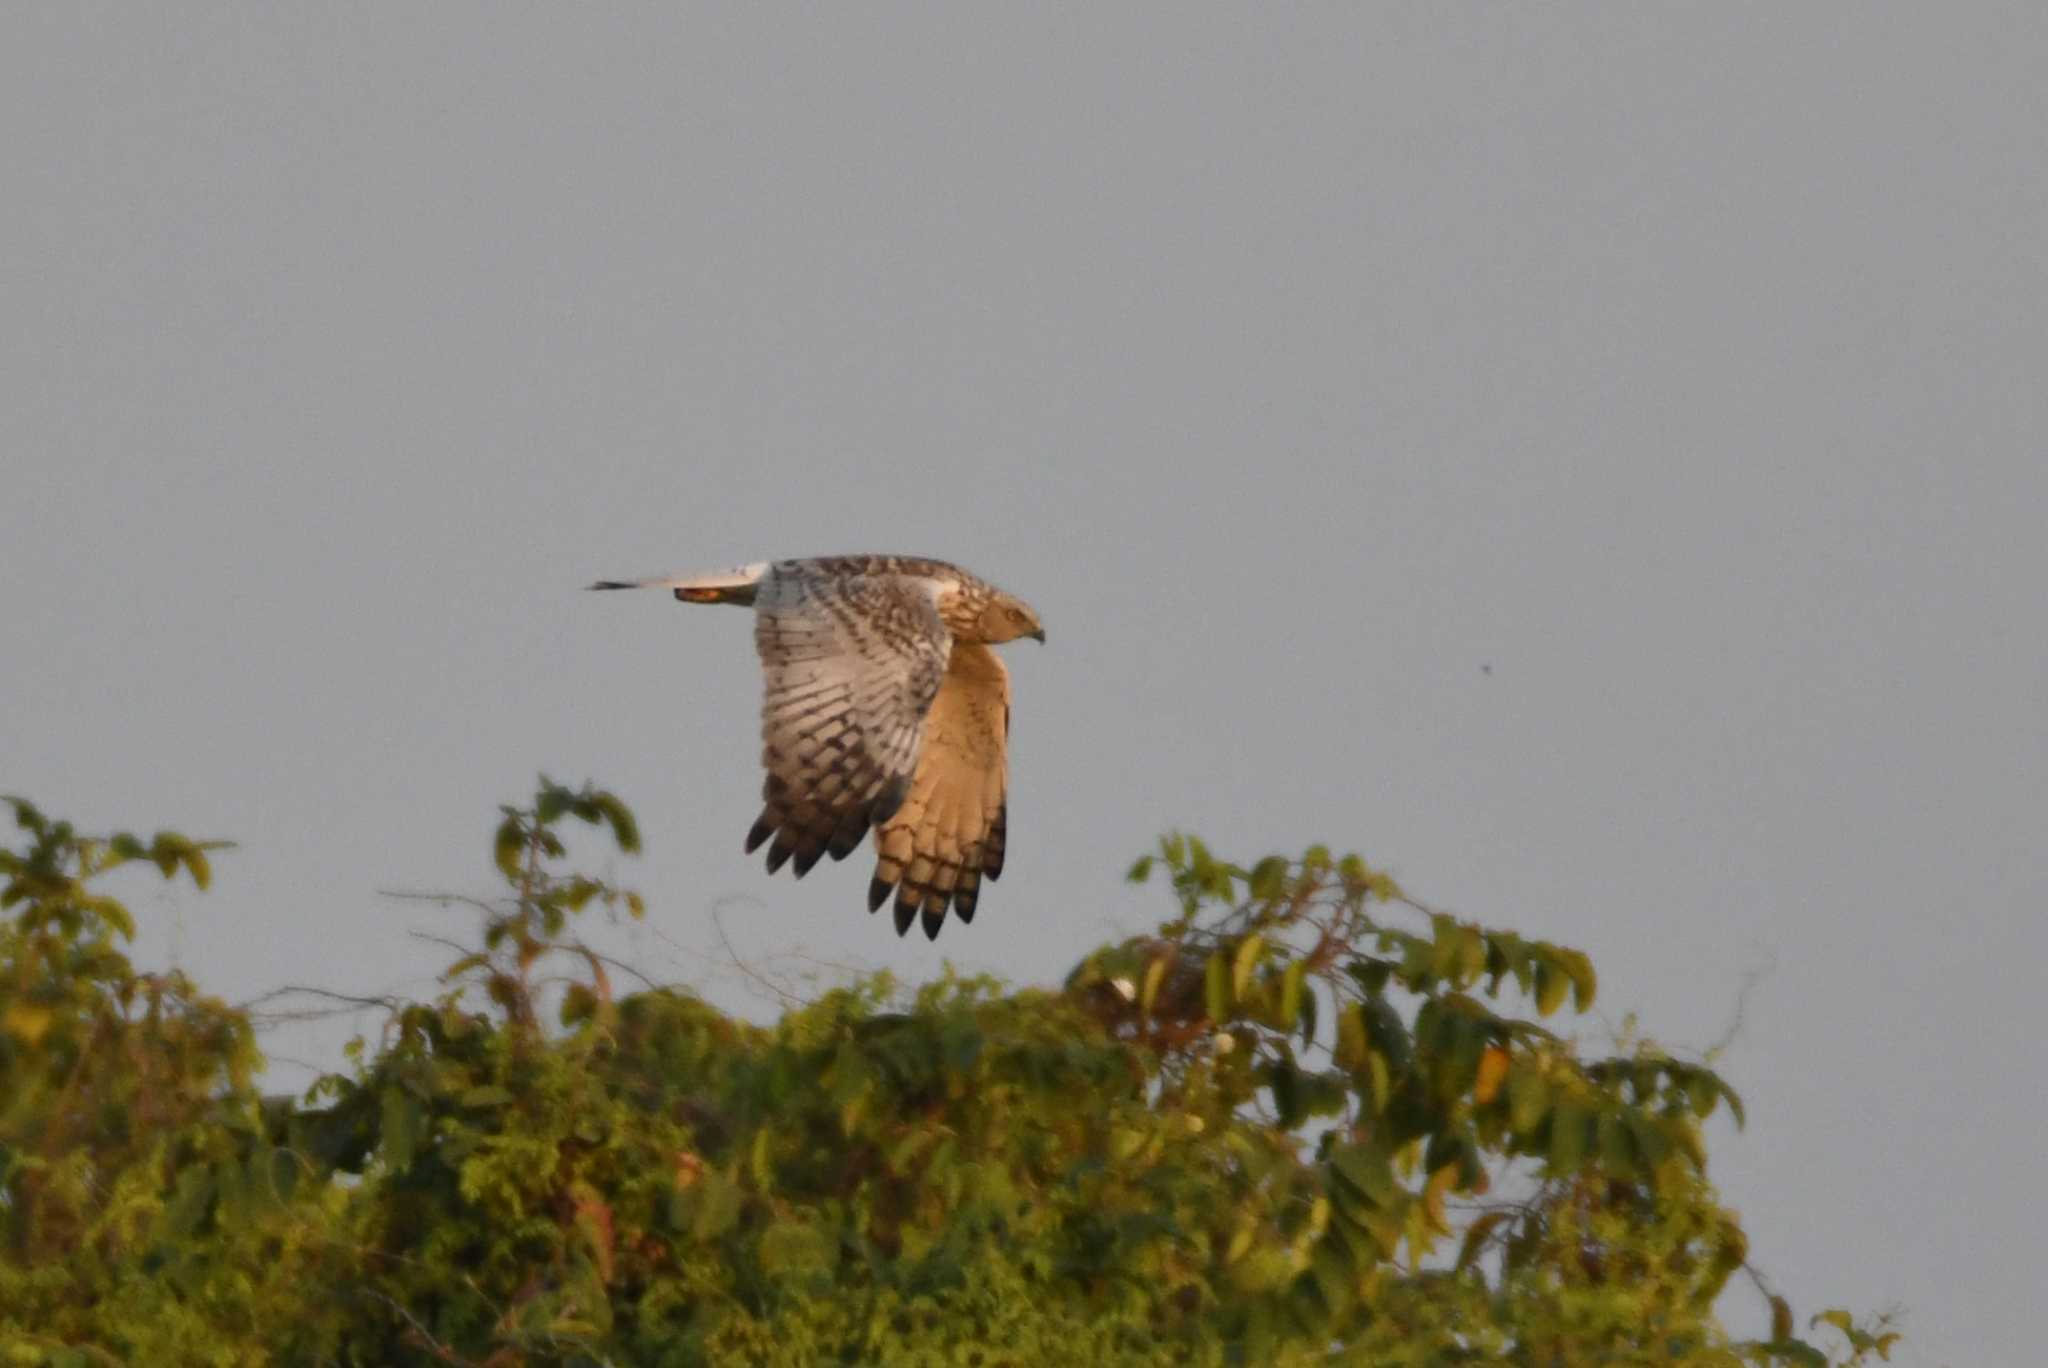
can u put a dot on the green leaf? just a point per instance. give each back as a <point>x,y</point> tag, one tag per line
<point>1291,982</point>
<point>1352,1046</point>
<point>1569,1122</point>
<point>1268,879</point>
<point>579,1004</point>
<point>1584,982</point>
<point>1148,992</point>
<point>463,966</point>
<point>1471,955</point>
<point>1616,1144</point>
<point>1284,1078</point>
<point>551,802</point>
<point>190,1201</point>
<point>399,1134</point>
<point>1381,1079</point>
<point>625,830</point>
<point>1476,1236</point>
<point>1140,870</point>
<point>1735,1106</point>
<point>507,847</point>
<point>1217,988</point>
<point>794,1249</point>
<point>1652,1142</point>
<point>718,1206</point>
<point>1366,1169</point>
<point>1242,964</point>
<point>1387,1034</point>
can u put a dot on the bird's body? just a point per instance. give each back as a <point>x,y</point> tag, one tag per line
<point>883,708</point>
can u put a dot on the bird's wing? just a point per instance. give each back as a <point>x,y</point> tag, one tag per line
<point>951,828</point>
<point>850,664</point>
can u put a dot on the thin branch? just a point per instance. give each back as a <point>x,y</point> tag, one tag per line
<point>352,1002</point>
<point>442,900</point>
<point>787,998</point>
<point>617,964</point>
<point>444,942</point>
<point>439,1350</point>
<point>1751,977</point>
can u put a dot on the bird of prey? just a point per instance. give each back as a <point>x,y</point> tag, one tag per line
<point>884,707</point>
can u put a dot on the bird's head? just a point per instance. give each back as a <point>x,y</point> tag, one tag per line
<point>1006,618</point>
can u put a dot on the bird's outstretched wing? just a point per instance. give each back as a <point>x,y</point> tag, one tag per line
<point>851,664</point>
<point>950,830</point>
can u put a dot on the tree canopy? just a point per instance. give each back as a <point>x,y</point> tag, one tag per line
<point>1305,1120</point>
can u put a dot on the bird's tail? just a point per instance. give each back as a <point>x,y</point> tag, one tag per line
<point>736,585</point>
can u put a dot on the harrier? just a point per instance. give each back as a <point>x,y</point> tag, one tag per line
<point>884,707</point>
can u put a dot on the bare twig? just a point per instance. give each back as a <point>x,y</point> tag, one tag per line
<point>426,1336</point>
<point>483,905</point>
<point>787,998</point>
<point>1751,977</point>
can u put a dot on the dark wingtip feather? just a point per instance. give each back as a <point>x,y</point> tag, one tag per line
<point>779,853</point>
<point>763,828</point>
<point>889,799</point>
<point>805,859</point>
<point>878,893</point>
<point>906,913</point>
<point>963,906</point>
<point>996,843</point>
<point>934,918</point>
<point>847,838</point>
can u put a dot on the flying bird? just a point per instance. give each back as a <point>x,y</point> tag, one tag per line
<point>883,707</point>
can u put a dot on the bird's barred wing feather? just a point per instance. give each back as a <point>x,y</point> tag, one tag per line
<point>949,831</point>
<point>851,664</point>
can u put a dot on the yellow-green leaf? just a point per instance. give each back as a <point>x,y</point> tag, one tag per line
<point>1155,974</point>
<point>1528,1099</point>
<point>1290,994</point>
<point>1584,982</point>
<point>1568,1125</point>
<point>1476,1236</point>
<point>1216,985</point>
<point>1246,960</point>
<point>1382,1081</point>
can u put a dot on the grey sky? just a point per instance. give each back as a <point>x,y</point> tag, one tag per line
<point>1683,364</point>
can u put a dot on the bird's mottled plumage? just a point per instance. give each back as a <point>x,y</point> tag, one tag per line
<point>883,708</point>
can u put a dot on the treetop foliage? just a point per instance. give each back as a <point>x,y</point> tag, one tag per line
<point>1305,1120</point>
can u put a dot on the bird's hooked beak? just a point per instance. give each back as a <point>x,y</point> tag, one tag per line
<point>1037,636</point>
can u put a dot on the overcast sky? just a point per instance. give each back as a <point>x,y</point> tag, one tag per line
<point>1589,459</point>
